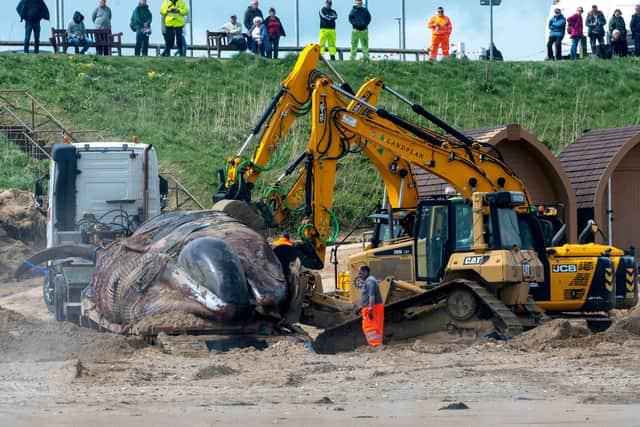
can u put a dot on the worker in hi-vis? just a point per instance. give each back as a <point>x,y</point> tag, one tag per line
<point>371,307</point>
<point>441,27</point>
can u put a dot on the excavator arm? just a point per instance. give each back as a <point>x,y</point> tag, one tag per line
<point>290,102</point>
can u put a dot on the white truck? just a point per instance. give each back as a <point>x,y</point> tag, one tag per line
<point>97,192</point>
<point>607,7</point>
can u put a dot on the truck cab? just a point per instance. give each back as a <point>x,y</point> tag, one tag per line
<point>99,191</point>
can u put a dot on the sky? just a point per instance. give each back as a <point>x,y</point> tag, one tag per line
<point>519,26</point>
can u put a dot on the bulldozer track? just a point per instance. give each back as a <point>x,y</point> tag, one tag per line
<point>511,325</point>
<point>348,335</point>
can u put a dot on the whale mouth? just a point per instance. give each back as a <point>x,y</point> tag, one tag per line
<point>212,263</point>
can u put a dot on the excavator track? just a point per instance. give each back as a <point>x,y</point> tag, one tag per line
<point>423,314</point>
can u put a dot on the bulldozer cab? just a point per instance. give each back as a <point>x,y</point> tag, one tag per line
<point>444,227</point>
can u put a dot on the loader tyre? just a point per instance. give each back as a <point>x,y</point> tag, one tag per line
<point>59,297</point>
<point>462,304</point>
<point>47,295</point>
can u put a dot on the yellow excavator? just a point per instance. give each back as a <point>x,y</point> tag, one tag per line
<point>465,264</point>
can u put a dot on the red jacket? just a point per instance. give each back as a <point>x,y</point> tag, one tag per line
<point>576,24</point>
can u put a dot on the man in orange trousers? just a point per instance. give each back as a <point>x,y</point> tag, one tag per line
<point>371,307</point>
<point>441,27</point>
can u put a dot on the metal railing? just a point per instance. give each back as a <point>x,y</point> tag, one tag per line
<point>28,123</point>
<point>176,190</point>
<point>342,52</point>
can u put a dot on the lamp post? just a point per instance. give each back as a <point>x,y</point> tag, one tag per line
<point>298,24</point>
<point>490,3</point>
<point>404,32</point>
<point>399,32</point>
<point>191,26</point>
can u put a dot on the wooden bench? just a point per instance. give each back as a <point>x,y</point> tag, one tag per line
<point>59,40</point>
<point>218,41</point>
<point>100,38</point>
<point>105,39</point>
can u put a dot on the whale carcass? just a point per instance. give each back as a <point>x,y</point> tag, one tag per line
<point>186,271</point>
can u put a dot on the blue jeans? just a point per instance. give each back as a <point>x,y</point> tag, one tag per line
<point>76,42</point>
<point>29,27</point>
<point>574,47</point>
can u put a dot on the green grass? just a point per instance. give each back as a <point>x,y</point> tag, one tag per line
<point>17,170</point>
<point>197,112</point>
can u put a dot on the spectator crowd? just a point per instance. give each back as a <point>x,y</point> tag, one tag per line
<point>261,35</point>
<point>607,40</point>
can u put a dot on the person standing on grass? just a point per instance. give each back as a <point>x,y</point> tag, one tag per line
<point>250,14</point>
<point>275,31</point>
<point>32,12</point>
<point>359,18</point>
<point>634,26</point>
<point>557,27</point>
<point>78,33</point>
<point>141,21</point>
<point>173,12</point>
<point>595,24</point>
<point>577,31</point>
<point>441,28</point>
<point>371,307</point>
<point>328,18</point>
<point>258,37</point>
<point>101,18</point>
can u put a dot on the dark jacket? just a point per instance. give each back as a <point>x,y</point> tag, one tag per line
<point>275,18</point>
<point>618,48</point>
<point>617,23</point>
<point>595,22</point>
<point>32,10</point>
<point>141,15</point>
<point>249,14</point>
<point>359,18</point>
<point>328,18</point>
<point>557,26</point>
<point>634,25</point>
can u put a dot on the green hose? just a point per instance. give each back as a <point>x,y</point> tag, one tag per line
<point>278,189</point>
<point>332,238</point>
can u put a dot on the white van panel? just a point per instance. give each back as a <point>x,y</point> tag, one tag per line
<point>110,179</point>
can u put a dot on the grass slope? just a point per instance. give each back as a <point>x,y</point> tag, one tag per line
<point>197,112</point>
<point>17,170</point>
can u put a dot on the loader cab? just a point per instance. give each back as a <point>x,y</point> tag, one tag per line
<point>443,227</point>
<point>401,225</point>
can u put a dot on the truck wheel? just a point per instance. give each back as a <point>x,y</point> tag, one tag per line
<point>48,295</point>
<point>59,296</point>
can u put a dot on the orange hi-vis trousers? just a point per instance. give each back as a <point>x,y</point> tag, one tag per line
<point>373,328</point>
<point>439,41</point>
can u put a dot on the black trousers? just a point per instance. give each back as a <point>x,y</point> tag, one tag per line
<point>142,44</point>
<point>557,41</point>
<point>173,34</point>
<point>32,27</point>
<point>599,49</point>
<point>275,43</point>
<point>636,43</point>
